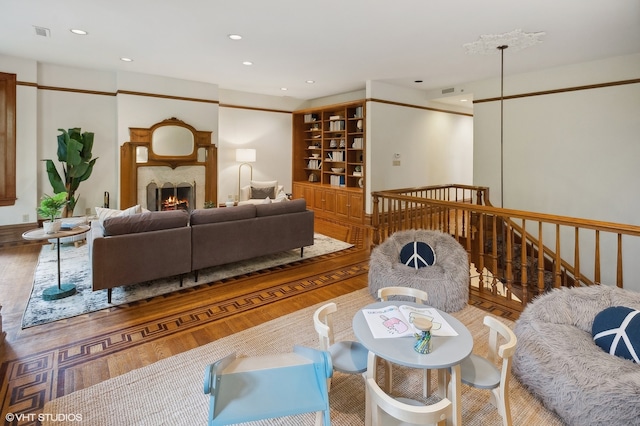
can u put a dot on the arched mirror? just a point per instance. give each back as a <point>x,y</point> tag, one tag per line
<point>172,141</point>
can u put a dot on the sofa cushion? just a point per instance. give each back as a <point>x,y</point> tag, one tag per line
<point>272,209</point>
<point>145,222</point>
<point>616,330</point>
<point>417,254</point>
<point>225,214</point>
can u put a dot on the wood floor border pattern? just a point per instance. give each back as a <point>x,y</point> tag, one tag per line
<point>28,383</point>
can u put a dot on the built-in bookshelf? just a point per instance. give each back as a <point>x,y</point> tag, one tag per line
<point>329,146</point>
<point>329,149</point>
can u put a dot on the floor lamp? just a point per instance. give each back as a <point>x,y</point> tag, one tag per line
<point>245,156</point>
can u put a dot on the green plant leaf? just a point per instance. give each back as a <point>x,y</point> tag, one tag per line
<point>54,178</point>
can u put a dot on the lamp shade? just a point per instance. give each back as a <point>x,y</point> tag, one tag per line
<point>245,155</point>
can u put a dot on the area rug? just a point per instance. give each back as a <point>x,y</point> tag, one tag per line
<point>75,269</point>
<point>170,391</point>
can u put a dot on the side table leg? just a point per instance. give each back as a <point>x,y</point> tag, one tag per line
<point>61,290</point>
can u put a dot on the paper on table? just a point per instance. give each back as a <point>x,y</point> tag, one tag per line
<point>392,321</point>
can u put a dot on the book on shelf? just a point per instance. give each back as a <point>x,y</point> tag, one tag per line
<point>314,164</point>
<point>336,126</point>
<point>397,321</point>
<point>310,118</point>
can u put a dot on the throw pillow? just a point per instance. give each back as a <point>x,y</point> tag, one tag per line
<point>281,196</point>
<point>617,331</point>
<point>417,255</point>
<point>264,183</point>
<point>262,193</point>
<point>105,213</point>
<point>266,201</point>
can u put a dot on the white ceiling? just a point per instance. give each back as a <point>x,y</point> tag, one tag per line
<point>340,44</point>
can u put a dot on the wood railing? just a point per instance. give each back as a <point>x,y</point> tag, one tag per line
<point>517,254</point>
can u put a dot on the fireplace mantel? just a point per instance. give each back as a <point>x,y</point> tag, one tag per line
<point>153,146</point>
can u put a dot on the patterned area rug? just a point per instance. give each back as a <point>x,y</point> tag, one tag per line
<point>170,392</point>
<point>75,269</point>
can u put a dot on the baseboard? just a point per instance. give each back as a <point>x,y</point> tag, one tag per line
<point>11,235</point>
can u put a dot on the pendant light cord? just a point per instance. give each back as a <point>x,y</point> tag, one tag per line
<point>502,48</point>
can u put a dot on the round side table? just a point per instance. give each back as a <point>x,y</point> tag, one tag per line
<point>61,290</point>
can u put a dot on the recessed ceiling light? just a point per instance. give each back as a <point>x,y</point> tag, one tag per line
<point>247,63</point>
<point>464,100</point>
<point>78,31</point>
<point>126,59</point>
<point>310,81</point>
<point>235,36</point>
<point>283,88</point>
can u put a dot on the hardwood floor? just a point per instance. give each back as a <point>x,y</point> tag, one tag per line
<point>51,360</point>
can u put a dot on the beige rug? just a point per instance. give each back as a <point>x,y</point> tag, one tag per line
<point>170,392</point>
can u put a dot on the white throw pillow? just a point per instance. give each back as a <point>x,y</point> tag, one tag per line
<point>105,213</point>
<point>267,201</point>
<point>281,196</point>
<point>264,184</point>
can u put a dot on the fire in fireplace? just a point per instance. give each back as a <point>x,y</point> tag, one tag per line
<point>171,196</point>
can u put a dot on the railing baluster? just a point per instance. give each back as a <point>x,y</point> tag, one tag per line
<point>481,254</point>
<point>619,263</point>
<point>494,254</point>
<point>558,261</point>
<point>541,283</point>
<point>576,259</point>
<point>596,269</point>
<point>509,261</point>
<point>524,262</point>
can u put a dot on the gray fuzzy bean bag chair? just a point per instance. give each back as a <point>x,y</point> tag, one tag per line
<point>558,361</point>
<point>446,281</point>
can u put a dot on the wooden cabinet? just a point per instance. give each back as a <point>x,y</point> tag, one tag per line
<point>329,156</point>
<point>325,201</point>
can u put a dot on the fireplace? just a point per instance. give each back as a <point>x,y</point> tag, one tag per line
<point>169,151</point>
<point>170,196</point>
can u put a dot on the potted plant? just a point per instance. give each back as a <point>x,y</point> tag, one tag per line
<point>50,208</point>
<point>74,152</point>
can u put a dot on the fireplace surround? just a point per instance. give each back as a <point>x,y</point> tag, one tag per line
<point>169,152</point>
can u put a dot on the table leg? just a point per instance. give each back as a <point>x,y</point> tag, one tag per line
<point>61,290</point>
<point>58,244</point>
<point>455,396</point>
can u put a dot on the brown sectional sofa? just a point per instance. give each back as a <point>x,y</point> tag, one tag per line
<point>146,246</point>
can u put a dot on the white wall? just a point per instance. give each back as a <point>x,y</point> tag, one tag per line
<point>570,153</point>
<point>269,133</point>
<point>263,123</point>
<point>24,209</point>
<point>434,147</point>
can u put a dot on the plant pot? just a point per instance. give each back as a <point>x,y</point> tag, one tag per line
<point>51,227</point>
